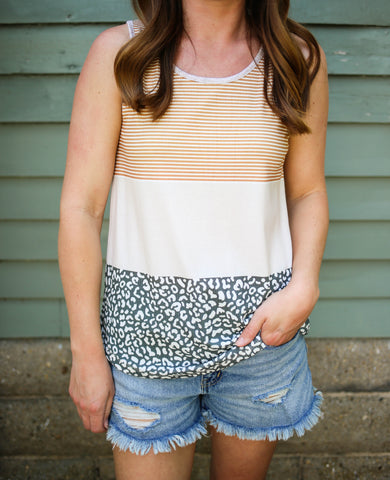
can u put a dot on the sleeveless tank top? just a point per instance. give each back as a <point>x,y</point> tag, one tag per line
<point>198,232</point>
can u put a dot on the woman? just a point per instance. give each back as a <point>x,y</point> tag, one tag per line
<point>209,118</point>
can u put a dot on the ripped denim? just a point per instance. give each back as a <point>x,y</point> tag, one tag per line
<point>269,396</point>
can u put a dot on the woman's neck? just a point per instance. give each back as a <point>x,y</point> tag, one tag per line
<point>219,23</point>
<point>215,41</point>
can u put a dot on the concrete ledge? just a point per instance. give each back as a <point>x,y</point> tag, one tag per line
<point>42,366</point>
<point>354,365</point>
<point>286,467</point>
<point>47,426</point>
<point>43,468</point>
<point>34,367</point>
<point>352,423</point>
<point>352,467</point>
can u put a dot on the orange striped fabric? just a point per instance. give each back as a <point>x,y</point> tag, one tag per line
<point>214,130</point>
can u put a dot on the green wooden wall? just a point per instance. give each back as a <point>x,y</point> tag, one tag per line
<point>44,45</point>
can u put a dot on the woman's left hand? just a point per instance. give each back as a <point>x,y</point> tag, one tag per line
<point>281,315</point>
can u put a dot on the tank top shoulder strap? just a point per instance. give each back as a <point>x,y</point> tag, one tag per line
<point>134,26</point>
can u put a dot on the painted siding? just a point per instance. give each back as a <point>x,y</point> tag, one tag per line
<point>44,46</point>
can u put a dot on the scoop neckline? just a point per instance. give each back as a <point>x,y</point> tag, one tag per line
<point>230,78</point>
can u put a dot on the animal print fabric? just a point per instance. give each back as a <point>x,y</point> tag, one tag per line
<point>167,326</point>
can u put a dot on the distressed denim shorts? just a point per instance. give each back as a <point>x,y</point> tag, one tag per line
<point>268,396</point>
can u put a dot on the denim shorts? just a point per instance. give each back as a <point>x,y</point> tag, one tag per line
<point>268,396</point>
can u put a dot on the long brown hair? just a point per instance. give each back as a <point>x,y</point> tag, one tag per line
<point>286,70</point>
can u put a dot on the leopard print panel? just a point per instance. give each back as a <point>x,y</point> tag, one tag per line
<point>167,326</point>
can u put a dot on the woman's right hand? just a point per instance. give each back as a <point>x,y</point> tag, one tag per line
<point>92,390</point>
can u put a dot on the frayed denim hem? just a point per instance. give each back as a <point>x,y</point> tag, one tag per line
<point>277,433</point>
<point>160,445</point>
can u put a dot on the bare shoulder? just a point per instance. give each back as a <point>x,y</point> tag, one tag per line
<point>110,41</point>
<point>97,74</point>
<point>305,50</point>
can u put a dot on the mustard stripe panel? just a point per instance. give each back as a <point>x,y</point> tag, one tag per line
<point>211,132</point>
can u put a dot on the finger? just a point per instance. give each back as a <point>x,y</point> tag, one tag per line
<point>95,412</point>
<point>79,412</point>
<point>275,336</point>
<point>107,410</point>
<point>250,331</point>
<point>97,423</point>
<point>85,419</point>
<point>269,334</point>
<point>84,409</point>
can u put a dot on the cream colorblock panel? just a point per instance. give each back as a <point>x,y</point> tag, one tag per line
<point>198,229</point>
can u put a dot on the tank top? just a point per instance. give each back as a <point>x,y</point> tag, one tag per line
<point>198,231</point>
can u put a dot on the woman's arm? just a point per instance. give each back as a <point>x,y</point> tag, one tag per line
<point>93,138</point>
<point>281,315</point>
